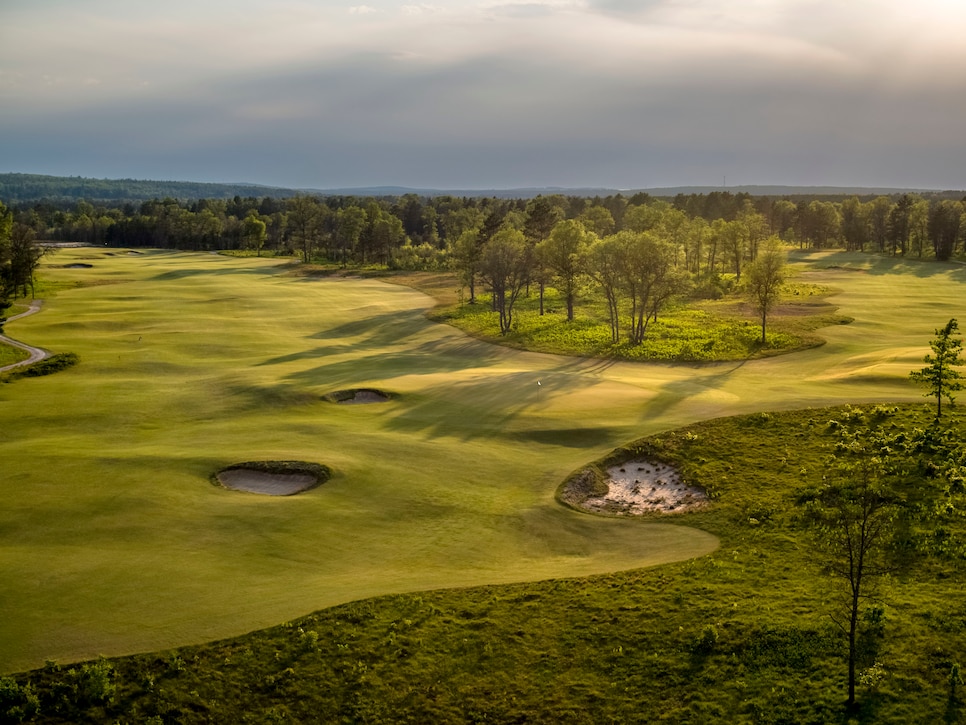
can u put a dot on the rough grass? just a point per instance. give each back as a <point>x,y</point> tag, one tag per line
<point>740,635</point>
<point>194,361</point>
<point>696,331</point>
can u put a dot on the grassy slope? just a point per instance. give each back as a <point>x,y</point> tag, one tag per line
<point>621,647</point>
<point>107,504</point>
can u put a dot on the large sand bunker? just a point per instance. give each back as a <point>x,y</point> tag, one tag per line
<point>274,478</point>
<point>635,488</point>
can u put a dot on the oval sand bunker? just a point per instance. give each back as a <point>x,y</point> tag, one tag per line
<point>638,487</point>
<point>273,478</point>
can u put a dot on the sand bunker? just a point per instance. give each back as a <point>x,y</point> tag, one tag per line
<point>638,487</point>
<point>357,396</point>
<point>273,478</point>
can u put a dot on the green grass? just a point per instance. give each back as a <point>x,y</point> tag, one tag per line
<point>10,354</point>
<point>698,331</point>
<point>739,635</point>
<point>190,362</point>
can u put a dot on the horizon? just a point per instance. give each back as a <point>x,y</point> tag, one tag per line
<point>403,189</point>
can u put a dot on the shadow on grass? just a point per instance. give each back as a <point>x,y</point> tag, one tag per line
<point>877,264</point>
<point>363,336</point>
<point>177,274</point>
<point>488,406</point>
<point>677,391</point>
<point>373,361</point>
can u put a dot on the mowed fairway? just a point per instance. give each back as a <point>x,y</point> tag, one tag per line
<point>113,540</point>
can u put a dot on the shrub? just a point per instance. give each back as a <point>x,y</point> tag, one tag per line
<point>47,366</point>
<point>17,702</point>
<point>705,642</point>
<point>93,682</point>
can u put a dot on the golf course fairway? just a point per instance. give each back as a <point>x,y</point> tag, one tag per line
<point>114,540</point>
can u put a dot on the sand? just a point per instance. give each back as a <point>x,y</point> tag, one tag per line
<point>638,487</point>
<point>272,484</point>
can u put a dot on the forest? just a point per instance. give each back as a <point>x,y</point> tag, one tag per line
<point>412,231</point>
<point>639,252</point>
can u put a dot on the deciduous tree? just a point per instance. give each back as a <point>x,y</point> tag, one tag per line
<point>6,268</point>
<point>940,375</point>
<point>853,511</point>
<point>505,263</point>
<point>254,232</point>
<point>564,253</point>
<point>607,262</point>
<point>305,225</point>
<point>764,278</point>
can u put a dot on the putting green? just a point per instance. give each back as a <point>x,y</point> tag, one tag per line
<point>112,539</point>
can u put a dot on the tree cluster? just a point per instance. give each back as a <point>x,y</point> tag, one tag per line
<point>910,224</point>
<point>19,258</point>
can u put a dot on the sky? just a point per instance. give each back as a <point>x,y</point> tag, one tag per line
<point>487,94</point>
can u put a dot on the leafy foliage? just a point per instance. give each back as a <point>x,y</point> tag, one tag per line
<point>706,331</point>
<point>940,376</point>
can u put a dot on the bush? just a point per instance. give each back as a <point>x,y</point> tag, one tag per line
<point>93,682</point>
<point>17,702</point>
<point>47,366</point>
<point>705,642</point>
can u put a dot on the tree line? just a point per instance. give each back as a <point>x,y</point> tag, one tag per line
<point>639,252</point>
<point>910,224</point>
<point>19,258</point>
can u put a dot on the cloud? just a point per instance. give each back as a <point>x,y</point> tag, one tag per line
<point>421,9</point>
<point>546,90</point>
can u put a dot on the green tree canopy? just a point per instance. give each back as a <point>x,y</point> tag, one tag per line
<point>764,278</point>
<point>564,252</point>
<point>940,376</point>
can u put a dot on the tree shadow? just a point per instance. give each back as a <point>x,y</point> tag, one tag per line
<point>880,265</point>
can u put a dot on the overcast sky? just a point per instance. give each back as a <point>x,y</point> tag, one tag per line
<point>487,94</point>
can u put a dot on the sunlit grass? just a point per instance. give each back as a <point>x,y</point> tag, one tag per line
<point>686,331</point>
<point>10,354</point>
<point>191,362</point>
<point>742,634</point>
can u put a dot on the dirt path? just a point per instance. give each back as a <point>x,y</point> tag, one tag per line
<point>36,354</point>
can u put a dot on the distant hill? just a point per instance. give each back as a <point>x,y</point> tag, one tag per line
<point>664,191</point>
<point>19,188</point>
<point>16,188</point>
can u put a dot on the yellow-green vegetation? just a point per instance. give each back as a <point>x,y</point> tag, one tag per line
<point>740,635</point>
<point>725,329</point>
<point>190,362</point>
<point>10,354</point>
